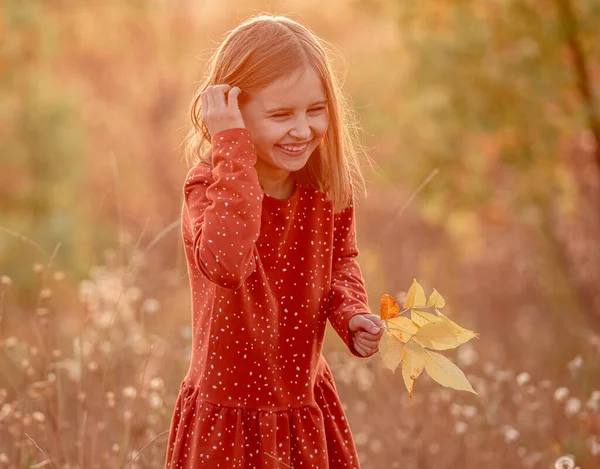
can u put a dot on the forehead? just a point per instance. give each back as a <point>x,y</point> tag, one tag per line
<point>301,88</point>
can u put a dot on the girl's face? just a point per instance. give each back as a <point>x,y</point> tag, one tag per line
<point>290,111</point>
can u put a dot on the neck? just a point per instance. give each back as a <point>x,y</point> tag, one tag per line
<point>279,189</point>
<point>275,181</point>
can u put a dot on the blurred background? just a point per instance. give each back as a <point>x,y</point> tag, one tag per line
<point>484,121</point>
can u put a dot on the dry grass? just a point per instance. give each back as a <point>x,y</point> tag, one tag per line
<point>91,391</point>
<point>90,370</point>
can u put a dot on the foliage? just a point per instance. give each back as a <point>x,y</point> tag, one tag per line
<point>409,340</point>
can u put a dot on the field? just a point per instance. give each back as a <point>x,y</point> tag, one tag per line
<point>484,121</point>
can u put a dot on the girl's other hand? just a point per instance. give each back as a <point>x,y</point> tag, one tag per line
<point>366,331</point>
<point>220,110</point>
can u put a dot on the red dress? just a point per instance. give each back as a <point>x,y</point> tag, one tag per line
<point>265,274</point>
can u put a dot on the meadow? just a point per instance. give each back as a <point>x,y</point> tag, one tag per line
<point>483,119</point>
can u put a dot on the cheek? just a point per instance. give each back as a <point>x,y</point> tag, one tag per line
<point>272,132</point>
<point>260,132</point>
<point>265,137</point>
<point>322,125</point>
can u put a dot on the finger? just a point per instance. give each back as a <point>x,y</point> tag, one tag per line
<point>380,327</point>
<point>370,335</point>
<point>375,336</point>
<point>358,347</point>
<point>211,98</point>
<point>366,324</point>
<point>366,350</point>
<point>219,94</point>
<point>377,320</point>
<point>378,323</point>
<point>366,341</point>
<point>371,348</point>
<point>232,97</point>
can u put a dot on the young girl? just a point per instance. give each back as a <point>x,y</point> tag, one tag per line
<point>269,235</point>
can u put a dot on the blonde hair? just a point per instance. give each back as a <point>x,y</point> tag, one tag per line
<point>261,50</point>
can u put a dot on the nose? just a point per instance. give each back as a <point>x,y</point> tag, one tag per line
<point>302,130</point>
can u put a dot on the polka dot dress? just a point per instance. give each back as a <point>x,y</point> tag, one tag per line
<point>265,275</point>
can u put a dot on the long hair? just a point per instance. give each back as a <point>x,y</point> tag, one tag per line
<point>261,50</point>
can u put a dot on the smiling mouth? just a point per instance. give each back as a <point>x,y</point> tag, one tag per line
<point>294,150</point>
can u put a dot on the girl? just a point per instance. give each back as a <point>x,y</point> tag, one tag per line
<point>269,236</point>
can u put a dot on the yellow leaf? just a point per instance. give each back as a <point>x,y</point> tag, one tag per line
<point>462,335</point>
<point>437,336</point>
<point>421,317</point>
<point>409,340</point>
<point>402,328</point>
<point>436,300</point>
<point>416,296</point>
<point>389,308</point>
<point>445,372</point>
<point>413,362</point>
<point>390,349</point>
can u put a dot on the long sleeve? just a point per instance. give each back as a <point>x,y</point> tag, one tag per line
<point>348,296</point>
<point>224,214</point>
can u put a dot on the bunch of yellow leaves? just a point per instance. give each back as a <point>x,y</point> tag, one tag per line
<point>409,340</point>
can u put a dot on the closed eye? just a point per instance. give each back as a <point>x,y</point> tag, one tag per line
<point>312,110</point>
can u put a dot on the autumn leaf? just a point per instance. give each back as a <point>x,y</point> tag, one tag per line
<point>445,372</point>
<point>413,362</point>
<point>437,336</point>
<point>388,307</point>
<point>403,328</point>
<point>463,335</point>
<point>400,326</point>
<point>409,340</point>
<point>436,300</point>
<point>421,317</point>
<point>415,297</point>
<point>391,350</point>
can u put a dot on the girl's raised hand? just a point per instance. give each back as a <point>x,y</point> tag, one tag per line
<point>366,331</point>
<point>220,110</point>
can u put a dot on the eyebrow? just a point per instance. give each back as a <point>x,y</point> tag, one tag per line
<point>323,101</point>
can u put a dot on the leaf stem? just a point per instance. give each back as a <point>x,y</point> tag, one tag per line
<point>398,329</point>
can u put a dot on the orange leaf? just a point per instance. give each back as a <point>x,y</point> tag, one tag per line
<point>389,308</point>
